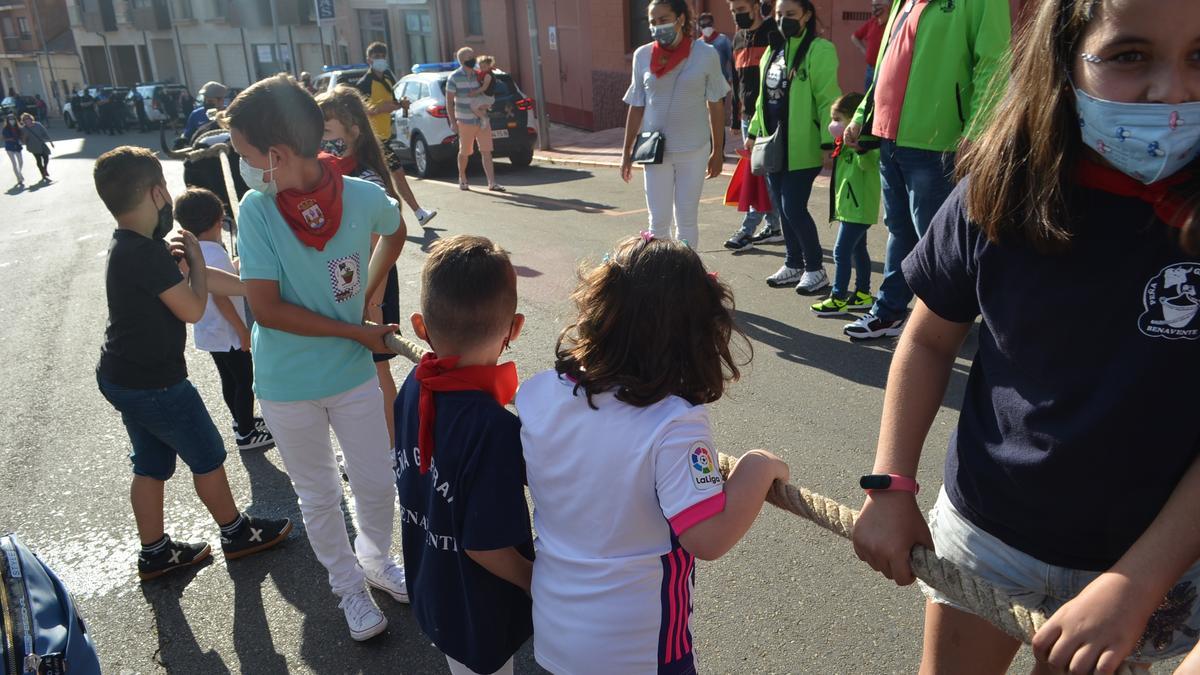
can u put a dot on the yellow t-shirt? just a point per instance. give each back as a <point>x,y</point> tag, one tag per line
<point>379,90</point>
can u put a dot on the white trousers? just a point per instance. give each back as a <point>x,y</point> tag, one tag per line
<point>673,194</point>
<point>457,668</point>
<point>301,431</point>
<point>17,163</point>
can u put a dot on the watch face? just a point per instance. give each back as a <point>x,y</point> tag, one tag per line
<point>878,481</point>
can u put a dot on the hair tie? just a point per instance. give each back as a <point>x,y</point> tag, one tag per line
<point>712,275</point>
<point>647,236</point>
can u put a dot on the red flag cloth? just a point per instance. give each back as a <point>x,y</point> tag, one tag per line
<point>439,374</point>
<point>664,59</point>
<point>315,216</point>
<point>747,190</point>
<point>1168,205</point>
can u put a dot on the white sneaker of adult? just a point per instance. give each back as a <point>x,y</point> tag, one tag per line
<point>363,615</point>
<point>812,281</point>
<point>784,276</point>
<point>424,216</point>
<point>390,580</point>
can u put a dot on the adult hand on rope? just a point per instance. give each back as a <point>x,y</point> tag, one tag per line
<point>888,527</point>
<point>1098,629</point>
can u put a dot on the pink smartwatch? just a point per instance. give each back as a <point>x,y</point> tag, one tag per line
<point>888,482</point>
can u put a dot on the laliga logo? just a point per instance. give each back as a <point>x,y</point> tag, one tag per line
<point>704,469</point>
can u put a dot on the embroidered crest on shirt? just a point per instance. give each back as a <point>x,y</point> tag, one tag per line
<point>702,462</point>
<point>344,277</point>
<point>1171,303</point>
<point>313,216</point>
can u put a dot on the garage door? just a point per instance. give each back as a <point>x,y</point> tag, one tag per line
<point>201,64</point>
<point>233,66</point>
<point>29,80</point>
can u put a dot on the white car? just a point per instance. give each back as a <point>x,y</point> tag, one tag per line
<point>332,76</point>
<point>422,134</point>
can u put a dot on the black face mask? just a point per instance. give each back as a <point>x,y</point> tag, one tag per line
<point>744,20</point>
<point>166,221</point>
<point>470,63</point>
<point>790,28</point>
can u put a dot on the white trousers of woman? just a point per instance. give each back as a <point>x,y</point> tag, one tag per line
<point>673,194</point>
<point>17,162</point>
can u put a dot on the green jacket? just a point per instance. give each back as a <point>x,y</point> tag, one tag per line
<point>810,96</point>
<point>961,45</point>
<point>856,187</point>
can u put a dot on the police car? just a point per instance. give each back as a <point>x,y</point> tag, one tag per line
<point>422,133</point>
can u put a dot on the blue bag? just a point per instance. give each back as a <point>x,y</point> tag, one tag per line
<point>40,631</point>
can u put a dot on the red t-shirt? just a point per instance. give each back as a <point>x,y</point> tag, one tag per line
<point>891,83</point>
<point>871,34</point>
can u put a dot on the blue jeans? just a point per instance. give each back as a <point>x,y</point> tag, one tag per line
<point>791,190</point>
<point>870,77</point>
<point>164,424</point>
<point>851,250</point>
<point>754,218</point>
<point>915,183</point>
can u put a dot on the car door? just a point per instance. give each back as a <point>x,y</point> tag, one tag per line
<point>402,122</point>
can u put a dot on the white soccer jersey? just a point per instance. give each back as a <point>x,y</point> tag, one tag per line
<point>613,488</point>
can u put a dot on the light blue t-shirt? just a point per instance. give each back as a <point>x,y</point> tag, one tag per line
<point>290,367</point>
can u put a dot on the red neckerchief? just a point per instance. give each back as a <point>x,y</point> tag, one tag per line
<point>707,39</point>
<point>439,374</point>
<point>315,216</point>
<point>1168,205</point>
<point>664,59</point>
<point>838,145</point>
<point>346,165</point>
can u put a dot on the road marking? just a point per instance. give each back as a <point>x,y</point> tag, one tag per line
<point>87,236</point>
<point>562,203</point>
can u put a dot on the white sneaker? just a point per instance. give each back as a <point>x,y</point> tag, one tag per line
<point>811,282</point>
<point>363,615</point>
<point>390,580</point>
<point>423,216</point>
<point>785,276</point>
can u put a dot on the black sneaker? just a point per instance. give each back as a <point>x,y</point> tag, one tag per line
<point>870,326</point>
<point>739,241</point>
<point>174,556</point>
<point>768,235</point>
<point>257,534</point>
<point>259,438</point>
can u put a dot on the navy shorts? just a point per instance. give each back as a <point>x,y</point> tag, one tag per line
<point>165,424</point>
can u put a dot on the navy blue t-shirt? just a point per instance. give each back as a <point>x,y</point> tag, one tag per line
<point>1079,414</point>
<point>472,497</point>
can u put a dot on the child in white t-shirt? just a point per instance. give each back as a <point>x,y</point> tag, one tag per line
<point>621,465</point>
<point>223,331</point>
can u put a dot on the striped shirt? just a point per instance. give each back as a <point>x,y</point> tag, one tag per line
<point>464,84</point>
<point>677,103</point>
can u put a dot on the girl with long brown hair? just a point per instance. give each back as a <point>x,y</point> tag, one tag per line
<point>348,136</point>
<point>1073,481</point>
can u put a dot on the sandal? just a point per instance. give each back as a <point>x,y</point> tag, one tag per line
<point>464,187</point>
<point>497,188</point>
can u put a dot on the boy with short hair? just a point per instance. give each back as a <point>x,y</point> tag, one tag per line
<point>222,331</point>
<point>304,237</point>
<point>459,466</point>
<point>142,371</point>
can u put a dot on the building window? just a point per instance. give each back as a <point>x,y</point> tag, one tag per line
<point>23,27</point>
<point>183,9</point>
<point>373,27</point>
<point>270,61</point>
<point>639,24</point>
<point>418,32</point>
<point>474,17</point>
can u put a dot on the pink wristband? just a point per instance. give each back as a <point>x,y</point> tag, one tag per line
<point>888,482</point>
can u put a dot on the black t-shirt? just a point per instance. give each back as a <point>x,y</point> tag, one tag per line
<point>748,49</point>
<point>775,90</point>
<point>144,340</point>
<point>1078,418</point>
<point>473,497</point>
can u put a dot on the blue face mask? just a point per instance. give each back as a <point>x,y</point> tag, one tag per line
<point>664,34</point>
<point>256,178</point>
<point>1145,141</point>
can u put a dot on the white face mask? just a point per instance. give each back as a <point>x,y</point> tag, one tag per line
<point>379,65</point>
<point>837,130</point>
<point>256,178</point>
<point>708,31</point>
<point>1145,141</point>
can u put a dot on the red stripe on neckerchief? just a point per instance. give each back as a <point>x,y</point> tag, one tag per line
<point>440,374</point>
<point>664,59</point>
<point>1168,205</point>
<point>315,216</point>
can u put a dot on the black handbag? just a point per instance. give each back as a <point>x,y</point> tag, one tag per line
<point>649,146</point>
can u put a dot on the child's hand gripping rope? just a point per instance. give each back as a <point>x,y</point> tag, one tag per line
<point>398,344</point>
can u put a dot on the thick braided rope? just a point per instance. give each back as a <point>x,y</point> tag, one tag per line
<point>959,585</point>
<point>404,347</point>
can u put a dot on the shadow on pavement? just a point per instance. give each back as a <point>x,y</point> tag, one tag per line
<point>861,362</point>
<point>532,175</point>
<point>178,650</point>
<point>428,236</point>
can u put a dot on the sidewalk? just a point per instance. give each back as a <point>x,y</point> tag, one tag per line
<point>603,148</point>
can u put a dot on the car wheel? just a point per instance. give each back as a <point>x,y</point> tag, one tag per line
<point>522,158</point>
<point>69,120</point>
<point>426,167</point>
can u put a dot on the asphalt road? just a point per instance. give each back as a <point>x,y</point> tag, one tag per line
<point>789,599</point>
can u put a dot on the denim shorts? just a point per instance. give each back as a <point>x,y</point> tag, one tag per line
<point>164,424</point>
<point>1171,631</point>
